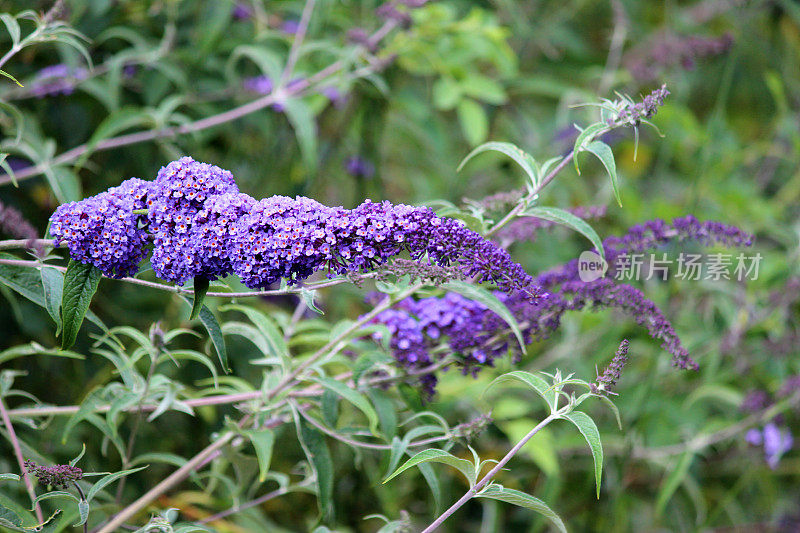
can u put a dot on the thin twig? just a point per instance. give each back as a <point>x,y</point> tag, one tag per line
<point>12,437</point>
<point>297,43</point>
<point>488,477</point>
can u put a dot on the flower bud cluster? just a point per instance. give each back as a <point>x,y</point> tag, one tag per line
<point>56,476</point>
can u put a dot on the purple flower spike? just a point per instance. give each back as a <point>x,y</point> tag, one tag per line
<point>56,476</point>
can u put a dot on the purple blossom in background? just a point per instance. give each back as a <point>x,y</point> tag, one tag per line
<point>290,26</point>
<point>57,79</point>
<point>14,224</point>
<point>669,50</point>
<point>242,11</point>
<point>359,167</point>
<point>103,230</point>
<point>129,71</point>
<point>776,442</point>
<point>334,95</point>
<point>56,476</point>
<point>258,84</point>
<point>481,335</point>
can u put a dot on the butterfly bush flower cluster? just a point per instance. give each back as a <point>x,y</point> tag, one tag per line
<point>775,436</point>
<point>56,476</point>
<point>479,335</point>
<point>608,379</point>
<point>57,79</point>
<point>104,230</point>
<point>202,226</point>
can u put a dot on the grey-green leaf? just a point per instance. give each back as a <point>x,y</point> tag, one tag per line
<point>319,456</point>
<point>80,284</point>
<point>354,397</point>
<point>83,510</point>
<point>53,287</point>
<point>606,156</point>
<point>520,157</point>
<point>263,441</point>
<point>214,332</point>
<point>515,497</point>
<point>110,478</point>
<point>589,431</point>
<point>438,456</point>
<point>560,216</point>
<point>531,380</point>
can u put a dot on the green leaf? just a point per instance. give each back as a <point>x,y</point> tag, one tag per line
<point>53,288</point>
<point>438,456</point>
<point>446,93</point>
<point>353,397</point>
<point>15,80</point>
<point>531,380</point>
<point>211,324</point>
<point>319,457</point>
<point>13,27</point>
<point>522,158</point>
<point>515,497</point>
<point>55,494</point>
<point>110,478</point>
<point>485,89</point>
<point>305,129</point>
<point>432,480</point>
<point>473,120</point>
<point>559,216</point>
<point>308,298</point>
<point>483,296</point>
<point>606,156</point>
<point>80,284</point>
<point>268,328</point>
<point>589,431</point>
<point>74,461</point>
<point>673,481</point>
<point>83,510</point>
<point>585,135</point>
<point>200,290</point>
<point>13,477</point>
<point>614,409</point>
<point>263,441</point>
<point>27,282</point>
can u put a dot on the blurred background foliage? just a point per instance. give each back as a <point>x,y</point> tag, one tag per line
<point>463,72</point>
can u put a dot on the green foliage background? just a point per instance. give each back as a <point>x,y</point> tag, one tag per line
<point>464,72</point>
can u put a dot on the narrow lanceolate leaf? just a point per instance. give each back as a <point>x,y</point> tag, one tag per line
<point>515,497</point>
<point>521,158</point>
<point>589,431</point>
<point>583,137</point>
<point>531,380</point>
<point>263,441</point>
<point>606,156</point>
<point>491,301</point>
<point>559,216</point>
<point>319,457</point>
<point>80,284</point>
<point>53,287</point>
<point>214,332</point>
<point>673,481</point>
<point>200,290</point>
<point>83,510</point>
<point>354,397</point>
<point>438,456</point>
<point>106,480</point>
